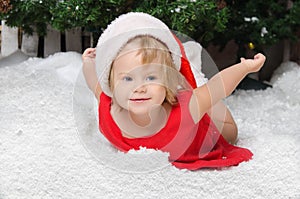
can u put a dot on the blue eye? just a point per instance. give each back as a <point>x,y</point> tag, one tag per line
<point>127,79</point>
<point>151,78</point>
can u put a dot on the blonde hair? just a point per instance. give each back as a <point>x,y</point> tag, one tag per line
<point>150,49</point>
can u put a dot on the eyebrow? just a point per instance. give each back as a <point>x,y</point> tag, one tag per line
<point>122,73</point>
<point>147,71</point>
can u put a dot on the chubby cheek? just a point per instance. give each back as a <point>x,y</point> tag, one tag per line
<point>160,93</point>
<point>121,94</point>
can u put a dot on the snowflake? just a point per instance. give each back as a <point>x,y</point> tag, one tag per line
<point>252,19</point>
<point>263,31</point>
<point>177,10</point>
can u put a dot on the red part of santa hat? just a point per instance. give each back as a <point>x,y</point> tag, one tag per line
<point>185,68</point>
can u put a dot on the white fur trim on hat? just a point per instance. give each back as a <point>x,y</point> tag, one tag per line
<point>193,51</point>
<point>120,31</point>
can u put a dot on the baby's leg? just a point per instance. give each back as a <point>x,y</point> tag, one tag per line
<point>224,121</point>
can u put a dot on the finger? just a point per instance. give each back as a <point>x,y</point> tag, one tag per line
<point>89,50</point>
<point>258,55</point>
<point>92,49</point>
<point>92,52</point>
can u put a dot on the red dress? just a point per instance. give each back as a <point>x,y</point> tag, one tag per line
<point>191,146</point>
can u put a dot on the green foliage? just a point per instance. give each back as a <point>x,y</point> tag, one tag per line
<point>195,18</point>
<point>198,19</point>
<point>262,22</point>
<point>293,18</point>
<point>91,14</point>
<point>30,15</point>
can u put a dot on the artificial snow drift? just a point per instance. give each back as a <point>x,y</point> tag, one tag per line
<point>50,146</point>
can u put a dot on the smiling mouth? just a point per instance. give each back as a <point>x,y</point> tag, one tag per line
<point>140,99</point>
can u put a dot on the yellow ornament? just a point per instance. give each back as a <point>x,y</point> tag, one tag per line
<point>251,46</point>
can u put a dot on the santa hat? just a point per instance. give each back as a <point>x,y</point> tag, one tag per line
<point>130,25</point>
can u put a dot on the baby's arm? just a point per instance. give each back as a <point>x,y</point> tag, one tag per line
<point>89,71</point>
<point>223,84</point>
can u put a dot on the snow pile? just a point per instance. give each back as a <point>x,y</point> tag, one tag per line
<point>286,78</point>
<point>50,146</point>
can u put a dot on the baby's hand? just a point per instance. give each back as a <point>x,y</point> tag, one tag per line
<point>88,60</point>
<point>89,55</point>
<point>255,64</point>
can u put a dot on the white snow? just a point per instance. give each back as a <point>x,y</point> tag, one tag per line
<point>251,19</point>
<point>50,146</point>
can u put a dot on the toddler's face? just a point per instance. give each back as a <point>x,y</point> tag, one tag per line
<point>137,87</point>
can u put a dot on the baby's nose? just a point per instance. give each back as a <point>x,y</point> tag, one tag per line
<point>141,88</point>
